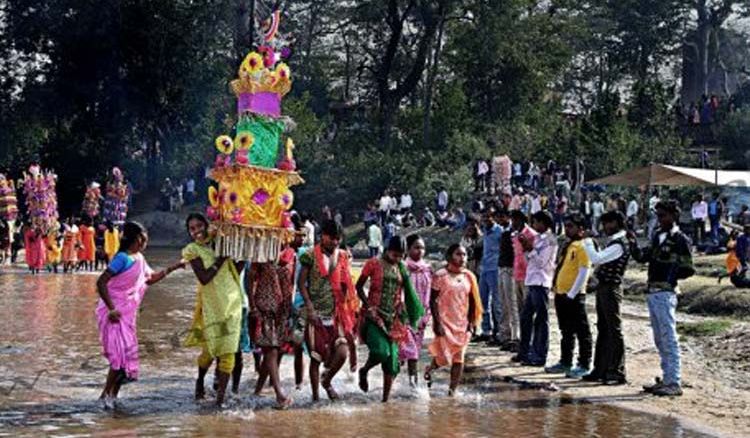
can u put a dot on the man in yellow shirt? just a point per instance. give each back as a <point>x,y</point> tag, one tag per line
<point>570,301</point>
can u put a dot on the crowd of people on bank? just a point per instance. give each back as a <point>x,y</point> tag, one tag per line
<point>520,263</point>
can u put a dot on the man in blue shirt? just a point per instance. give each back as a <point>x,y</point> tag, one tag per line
<point>715,211</point>
<point>489,289</point>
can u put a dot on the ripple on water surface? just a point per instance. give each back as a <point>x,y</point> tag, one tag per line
<point>51,373</point>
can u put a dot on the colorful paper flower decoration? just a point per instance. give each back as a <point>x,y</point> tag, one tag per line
<point>269,56</point>
<point>253,62</point>
<point>283,72</point>
<point>243,158</point>
<point>244,141</point>
<point>213,196</point>
<point>224,144</point>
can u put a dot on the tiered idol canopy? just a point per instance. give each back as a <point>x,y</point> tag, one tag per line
<point>249,206</point>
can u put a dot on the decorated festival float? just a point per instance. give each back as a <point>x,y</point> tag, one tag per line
<point>116,199</point>
<point>8,199</point>
<point>41,198</point>
<point>91,200</point>
<point>249,205</point>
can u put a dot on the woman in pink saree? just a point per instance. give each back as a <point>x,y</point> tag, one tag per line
<point>121,289</point>
<point>420,272</point>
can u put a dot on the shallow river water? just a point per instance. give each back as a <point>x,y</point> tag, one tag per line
<point>51,374</point>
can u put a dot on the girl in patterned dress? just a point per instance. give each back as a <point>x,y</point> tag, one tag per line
<point>270,288</point>
<point>421,276</point>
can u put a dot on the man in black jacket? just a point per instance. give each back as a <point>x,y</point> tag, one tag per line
<point>669,260</point>
<point>611,262</point>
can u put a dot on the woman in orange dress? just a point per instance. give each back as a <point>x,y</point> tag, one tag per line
<point>71,242</point>
<point>87,252</point>
<point>456,311</point>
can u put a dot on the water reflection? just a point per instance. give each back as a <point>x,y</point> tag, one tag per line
<point>48,333</point>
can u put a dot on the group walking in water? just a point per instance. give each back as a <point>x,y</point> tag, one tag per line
<point>308,300</point>
<point>256,307</point>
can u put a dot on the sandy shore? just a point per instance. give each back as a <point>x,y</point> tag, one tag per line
<point>716,388</point>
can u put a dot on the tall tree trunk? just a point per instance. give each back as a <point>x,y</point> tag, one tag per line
<point>704,39</point>
<point>389,97</point>
<point>432,70</point>
<point>152,162</point>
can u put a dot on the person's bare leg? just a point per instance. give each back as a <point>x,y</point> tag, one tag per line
<point>271,362</point>
<point>262,376</point>
<point>412,365</point>
<point>200,387</point>
<point>387,385</point>
<point>339,358</point>
<point>109,383</point>
<point>352,353</point>
<point>299,367</point>
<point>428,372</point>
<point>257,359</point>
<point>315,379</point>
<point>364,385</point>
<point>216,375</point>
<point>237,372</point>
<point>222,388</point>
<point>457,371</point>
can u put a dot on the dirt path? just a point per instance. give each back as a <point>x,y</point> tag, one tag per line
<point>717,385</point>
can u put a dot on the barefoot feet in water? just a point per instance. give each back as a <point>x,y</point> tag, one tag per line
<point>364,385</point>
<point>428,375</point>
<point>327,387</point>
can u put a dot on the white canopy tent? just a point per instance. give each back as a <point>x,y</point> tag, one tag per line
<point>665,175</point>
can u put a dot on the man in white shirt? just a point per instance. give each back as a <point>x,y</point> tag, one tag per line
<point>481,176</point>
<point>384,207</point>
<point>442,200</point>
<point>536,203</point>
<point>394,204</point>
<point>699,212</point>
<point>597,210</point>
<point>309,239</point>
<point>374,239</point>
<point>632,214</point>
<point>406,203</point>
<point>533,175</point>
<point>190,191</point>
<point>518,173</point>
<point>540,271</point>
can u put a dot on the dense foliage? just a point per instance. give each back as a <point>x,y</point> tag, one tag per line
<point>401,93</point>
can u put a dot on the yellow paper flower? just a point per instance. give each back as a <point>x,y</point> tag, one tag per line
<point>244,141</point>
<point>253,62</point>
<point>283,72</point>
<point>224,144</point>
<point>213,196</point>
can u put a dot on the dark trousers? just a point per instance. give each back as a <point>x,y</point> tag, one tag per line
<point>714,228</point>
<point>740,280</point>
<point>609,360</point>
<point>574,324</point>
<point>535,326</point>
<point>700,230</point>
